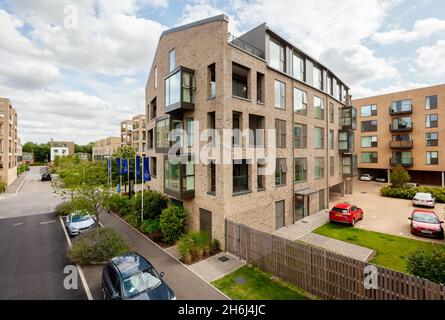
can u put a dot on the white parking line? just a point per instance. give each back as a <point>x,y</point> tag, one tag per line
<point>82,276</point>
<point>20,186</point>
<point>48,222</point>
<point>18,224</point>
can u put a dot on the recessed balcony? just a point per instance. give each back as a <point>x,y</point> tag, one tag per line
<point>404,162</point>
<point>179,91</point>
<point>179,178</point>
<point>406,127</point>
<point>402,109</point>
<point>405,144</point>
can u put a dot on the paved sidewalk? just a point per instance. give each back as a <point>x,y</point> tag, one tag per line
<point>213,268</point>
<point>304,226</point>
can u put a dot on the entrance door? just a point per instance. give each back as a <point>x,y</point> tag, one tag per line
<point>279,214</point>
<point>301,207</point>
<point>205,222</point>
<point>321,199</point>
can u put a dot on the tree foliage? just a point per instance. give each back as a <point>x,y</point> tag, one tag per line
<point>399,177</point>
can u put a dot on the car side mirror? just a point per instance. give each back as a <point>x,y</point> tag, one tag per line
<point>410,218</point>
<point>441,222</point>
<point>162,274</point>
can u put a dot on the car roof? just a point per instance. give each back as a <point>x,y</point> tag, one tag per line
<point>343,205</point>
<point>129,263</point>
<point>424,211</point>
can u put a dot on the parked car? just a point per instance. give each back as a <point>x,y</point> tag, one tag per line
<point>78,222</point>
<point>381,179</point>
<point>426,223</point>
<point>412,185</point>
<point>366,177</point>
<point>345,213</point>
<point>131,277</point>
<point>46,176</point>
<point>424,199</point>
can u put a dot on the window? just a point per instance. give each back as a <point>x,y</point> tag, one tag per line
<point>431,120</point>
<point>261,174</point>
<point>172,93</point>
<point>211,122</point>
<point>256,133</point>
<point>432,157</point>
<point>153,167</point>
<point>212,169</point>
<point>431,102</point>
<point>171,175</point>
<point>369,157</point>
<point>369,126</point>
<point>260,87</point>
<point>156,77</point>
<point>331,139</point>
<point>240,81</point>
<point>190,132</point>
<point>368,111</point>
<point>318,81</point>
<point>402,158</point>
<point>240,176</point>
<point>154,107</point>
<point>280,127</point>
<point>401,106</point>
<point>277,56</point>
<point>318,138</point>
<point>211,74</point>
<point>280,94</point>
<point>162,131</point>
<point>280,214</point>
<point>188,178</point>
<point>369,142</point>
<point>280,172</point>
<point>318,108</point>
<point>331,166</point>
<point>331,112</point>
<point>329,85</point>
<point>300,170</point>
<point>236,128</point>
<point>172,60</point>
<point>298,66</point>
<point>432,139</point>
<point>300,136</point>
<point>300,101</point>
<point>319,168</point>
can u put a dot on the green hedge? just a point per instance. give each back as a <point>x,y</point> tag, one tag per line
<point>408,193</point>
<point>428,264</point>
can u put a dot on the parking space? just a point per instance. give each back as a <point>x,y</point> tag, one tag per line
<point>386,215</point>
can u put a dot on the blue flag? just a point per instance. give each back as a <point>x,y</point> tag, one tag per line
<point>138,167</point>
<point>119,167</point>
<point>125,166</point>
<point>147,169</point>
<point>109,167</point>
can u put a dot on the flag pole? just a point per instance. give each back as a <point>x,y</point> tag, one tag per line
<point>135,173</point>
<point>142,196</point>
<point>128,175</point>
<point>120,175</point>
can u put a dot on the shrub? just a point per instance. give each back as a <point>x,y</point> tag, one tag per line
<point>151,227</point>
<point>399,177</point>
<point>154,203</point>
<point>195,245</point>
<point>2,186</point>
<point>185,245</point>
<point>408,193</point>
<point>215,246</point>
<point>132,219</point>
<point>428,264</point>
<point>173,223</point>
<point>64,208</point>
<point>92,247</point>
<point>120,205</point>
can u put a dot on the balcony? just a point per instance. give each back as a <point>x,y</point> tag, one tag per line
<point>243,45</point>
<point>179,91</point>
<point>179,178</point>
<point>346,142</point>
<point>400,109</point>
<point>406,144</point>
<point>404,162</point>
<point>349,118</point>
<point>407,127</point>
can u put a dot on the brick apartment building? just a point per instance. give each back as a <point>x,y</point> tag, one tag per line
<point>104,148</point>
<point>139,134</point>
<point>203,76</point>
<point>9,142</point>
<point>126,131</point>
<point>403,128</point>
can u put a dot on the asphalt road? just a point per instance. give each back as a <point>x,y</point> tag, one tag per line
<point>33,244</point>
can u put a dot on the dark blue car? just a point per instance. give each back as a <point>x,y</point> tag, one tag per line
<point>131,277</point>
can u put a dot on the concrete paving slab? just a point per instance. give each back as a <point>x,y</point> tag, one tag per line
<point>304,226</point>
<point>213,268</point>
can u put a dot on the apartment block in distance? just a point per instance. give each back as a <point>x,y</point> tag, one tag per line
<point>126,132</point>
<point>139,134</point>
<point>203,76</point>
<point>61,149</point>
<point>9,142</point>
<point>104,148</point>
<point>403,128</point>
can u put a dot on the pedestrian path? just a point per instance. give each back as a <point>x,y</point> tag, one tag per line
<point>217,266</point>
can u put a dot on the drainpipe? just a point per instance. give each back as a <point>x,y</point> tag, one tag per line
<point>327,149</point>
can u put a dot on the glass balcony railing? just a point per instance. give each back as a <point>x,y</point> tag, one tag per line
<point>400,127</point>
<point>404,162</point>
<point>404,144</point>
<point>400,109</point>
<point>243,45</point>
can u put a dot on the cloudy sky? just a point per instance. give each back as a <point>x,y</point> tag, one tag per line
<point>76,78</point>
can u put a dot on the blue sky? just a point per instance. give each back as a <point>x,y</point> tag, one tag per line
<point>79,83</point>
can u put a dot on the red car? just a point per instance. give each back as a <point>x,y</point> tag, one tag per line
<point>345,213</point>
<point>426,223</point>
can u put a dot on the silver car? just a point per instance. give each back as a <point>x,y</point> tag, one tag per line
<point>79,221</point>
<point>366,177</point>
<point>424,199</point>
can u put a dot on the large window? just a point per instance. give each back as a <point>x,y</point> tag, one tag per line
<point>171,175</point>
<point>172,91</point>
<point>240,83</point>
<point>280,127</point>
<point>369,157</point>
<point>331,166</point>
<point>277,56</point>
<point>240,176</point>
<point>172,60</point>
<point>329,85</point>
<point>432,139</point>
<point>212,169</point>
<point>369,142</point>
<point>211,81</point>
<point>368,111</point>
<point>280,94</point>
<point>188,178</point>
<point>300,170</point>
<point>300,101</point>
<point>432,157</point>
<point>318,140</point>
<point>190,132</point>
<point>331,112</point>
<point>236,128</point>
<point>319,168</point>
<point>431,102</point>
<point>261,174</point>
<point>331,139</point>
<point>280,172</point>
<point>431,120</point>
<point>318,80</point>
<point>162,131</point>
<point>369,126</point>
<point>256,134</point>
<point>300,136</point>
<point>298,66</point>
<point>318,108</point>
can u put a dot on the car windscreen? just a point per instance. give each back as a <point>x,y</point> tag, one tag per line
<point>140,282</point>
<point>80,217</point>
<point>423,196</point>
<point>426,218</point>
<point>340,210</point>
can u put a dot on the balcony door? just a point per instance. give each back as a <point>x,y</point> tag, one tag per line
<point>205,222</point>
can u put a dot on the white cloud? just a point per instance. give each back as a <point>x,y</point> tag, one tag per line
<point>430,60</point>
<point>422,29</point>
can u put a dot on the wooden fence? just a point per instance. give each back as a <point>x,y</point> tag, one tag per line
<point>324,273</point>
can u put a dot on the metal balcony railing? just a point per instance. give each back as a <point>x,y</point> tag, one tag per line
<point>243,45</point>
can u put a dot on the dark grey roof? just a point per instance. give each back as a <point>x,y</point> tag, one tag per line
<point>221,17</point>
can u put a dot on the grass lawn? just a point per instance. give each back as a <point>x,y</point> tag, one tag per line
<point>391,251</point>
<point>249,283</point>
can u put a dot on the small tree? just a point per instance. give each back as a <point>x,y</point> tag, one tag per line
<point>172,223</point>
<point>399,177</point>
<point>154,203</point>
